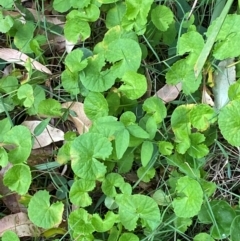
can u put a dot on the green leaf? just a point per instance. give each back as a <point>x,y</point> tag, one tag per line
<point>126,162</point>
<point>93,78</point>
<point>79,192</point>
<point>128,118</point>
<point>190,42</point>
<point>165,148</point>
<point>121,142</point>
<point>134,207</point>
<point>182,72</point>
<point>76,29</point>
<point>113,181</point>
<point>8,84</point>
<point>20,138</point>
<point>41,127</point>
<point>5,23</point>
<point>125,55</point>
<point>223,216</point>
<point>10,236</point>
<point>128,237</point>
<point>137,131</point>
<point>50,107</point>
<point>235,227</point>
<point>89,13</point>
<point>105,225</point>
<point>161,198</point>
<point>201,116</point>
<point>208,188</point>
<point>136,15</point>
<point>146,174</point>
<point>80,4</point>
<point>197,149</point>
<point>70,82</point>
<point>179,161</point>
<point>234,91</point>
<point>190,198</point>
<point>95,106</point>
<point>135,85</point>
<point>6,3</point>
<point>154,107</point>
<point>221,50</point>
<point>85,152</point>
<point>228,121</point>
<point>162,17</point>
<point>203,237</point>
<point>25,93</point>
<point>146,152</point>
<point>115,15</point>
<point>182,224</point>
<point>41,213</point>
<point>61,5</point>
<point>23,37</point>
<point>80,223</point>
<point>3,157</point>
<point>18,178</point>
<point>39,95</point>
<point>74,61</point>
<point>5,126</point>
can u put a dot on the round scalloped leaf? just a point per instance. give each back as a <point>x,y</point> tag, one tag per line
<point>20,137</point>
<point>165,148</point>
<point>162,17</point>
<point>79,192</point>
<point>3,157</point>
<point>74,61</point>
<point>104,225</point>
<point>61,5</point>
<point>125,54</point>
<point>76,29</point>
<point>135,85</point>
<point>113,181</point>
<point>190,197</point>
<point>50,108</point>
<point>95,106</point>
<point>221,49</point>
<point>80,223</point>
<point>41,213</point>
<point>234,91</point>
<point>197,149</point>
<point>228,122</point>
<point>190,42</point>
<point>129,237</point>
<point>80,4</point>
<point>183,73</point>
<point>70,82</point>
<point>155,107</point>
<point>85,152</point>
<point>18,178</point>
<point>234,230</point>
<point>93,78</point>
<point>132,208</point>
<point>25,93</point>
<point>206,237</point>
<point>201,116</point>
<point>10,236</point>
<point>146,174</point>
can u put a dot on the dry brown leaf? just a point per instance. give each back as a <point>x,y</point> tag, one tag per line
<point>20,224</point>
<point>206,98</point>
<point>169,92</point>
<point>81,122</point>
<point>15,56</point>
<point>48,136</point>
<point>11,200</point>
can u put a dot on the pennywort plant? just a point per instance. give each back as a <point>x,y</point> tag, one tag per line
<point>131,132</point>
